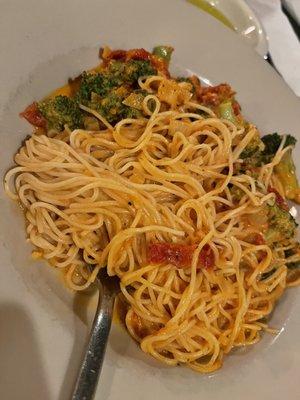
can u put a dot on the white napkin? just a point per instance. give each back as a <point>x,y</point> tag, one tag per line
<point>284,45</point>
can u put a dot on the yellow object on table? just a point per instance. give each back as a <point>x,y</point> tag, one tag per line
<point>212,10</point>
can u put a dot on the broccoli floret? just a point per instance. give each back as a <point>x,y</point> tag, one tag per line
<point>281,225</point>
<point>273,141</point>
<point>285,169</point>
<point>286,172</point>
<point>106,91</point>
<point>134,69</point>
<point>252,155</point>
<point>100,83</point>
<point>255,146</point>
<point>112,107</point>
<point>129,112</point>
<point>261,151</point>
<point>129,72</point>
<point>61,111</point>
<point>264,149</point>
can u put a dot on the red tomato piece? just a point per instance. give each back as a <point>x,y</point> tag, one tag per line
<point>138,54</point>
<point>258,239</point>
<point>160,65</point>
<point>179,255</point>
<point>117,55</point>
<point>33,116</point>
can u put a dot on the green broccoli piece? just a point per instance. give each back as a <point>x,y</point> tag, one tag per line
<point>286,172</point>
<point>252,155</point>
<point>134,69</point>
<point>254,147</point>
<point>264,149</point>
<point>100,83</point>
<point>105,92</point>
<point>225,110</point>
<point>285,169</point>
<point>61,111</point>
<point>118,75</point>
<point>129,72</point>
<point>112,107</point>
<point>273,141</point>
<point>261,151</point>
<point>281,225</point>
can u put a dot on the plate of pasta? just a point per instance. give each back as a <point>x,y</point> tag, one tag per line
<point>170,159</point>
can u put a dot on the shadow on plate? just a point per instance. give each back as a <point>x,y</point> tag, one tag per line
<point>22,373</point>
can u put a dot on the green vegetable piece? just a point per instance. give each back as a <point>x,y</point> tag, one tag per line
<point>254,147</point>
<point>285,169</point>
<point>118,73</point>
<point>163,52</point>
<point>134,69</point>
<point>273,141</point>
<point>130,71</point>
<point>225,111</point>
<point>252,154</point>
<point>101,84</point>
<point>261,151</point>
<point>61,111</point>
<point>135,100</point>
<point>282,225</point>
<point>286,172</point>
<point>112,108</point>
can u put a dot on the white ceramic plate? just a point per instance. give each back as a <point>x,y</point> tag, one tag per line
<point>42,325</point>
<point>244,22</point>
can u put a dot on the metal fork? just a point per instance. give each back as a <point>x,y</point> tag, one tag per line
<point>90,370</point>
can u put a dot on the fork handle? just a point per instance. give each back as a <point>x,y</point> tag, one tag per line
<point>89,372</point>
